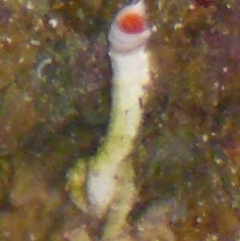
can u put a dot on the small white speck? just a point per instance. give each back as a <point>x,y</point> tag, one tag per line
<point>9,40</point>
<point>154,28</point>
<point>201,203</point>
<point>233,184</point>
<point>215,103</point>
<point>233,170</point>
<point>35,42</point>
<point>21,60</point>
<point>191,6</point>
<point>178,26</point>
<point>141,229</point>
<point>199,220</point>
<point>205,138</point>
<point>27,98</point>
<point>32,237</point>
<point>29,5</point>
<point>212,237</point>
<point>218,161</point>
<point>228,6</point>
<point>53,22</point>
<point>225,69</point>
<point>222,199</point>
<point>225,32</point>
<point>216,85</point>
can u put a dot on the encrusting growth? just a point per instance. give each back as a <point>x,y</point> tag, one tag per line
<point>97,183</point>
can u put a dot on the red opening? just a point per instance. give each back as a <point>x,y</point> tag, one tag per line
<point>131,23</point>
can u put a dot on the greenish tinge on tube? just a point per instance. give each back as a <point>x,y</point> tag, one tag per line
<point>93,187</point>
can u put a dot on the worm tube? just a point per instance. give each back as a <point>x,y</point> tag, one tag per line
<point>130,64</point>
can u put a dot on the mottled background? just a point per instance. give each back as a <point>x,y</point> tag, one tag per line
<point>55,102</point>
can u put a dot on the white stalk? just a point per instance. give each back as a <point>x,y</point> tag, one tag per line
<point>130,64</point>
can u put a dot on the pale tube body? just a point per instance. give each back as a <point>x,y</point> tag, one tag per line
<point>131,78</point>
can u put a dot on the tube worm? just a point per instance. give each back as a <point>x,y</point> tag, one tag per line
<point>128,36</point>
<point>130,64</point>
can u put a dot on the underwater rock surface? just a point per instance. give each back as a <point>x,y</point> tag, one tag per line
<point>54,108</point>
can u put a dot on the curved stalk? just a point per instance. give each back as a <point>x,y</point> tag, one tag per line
<point>130,63</point>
